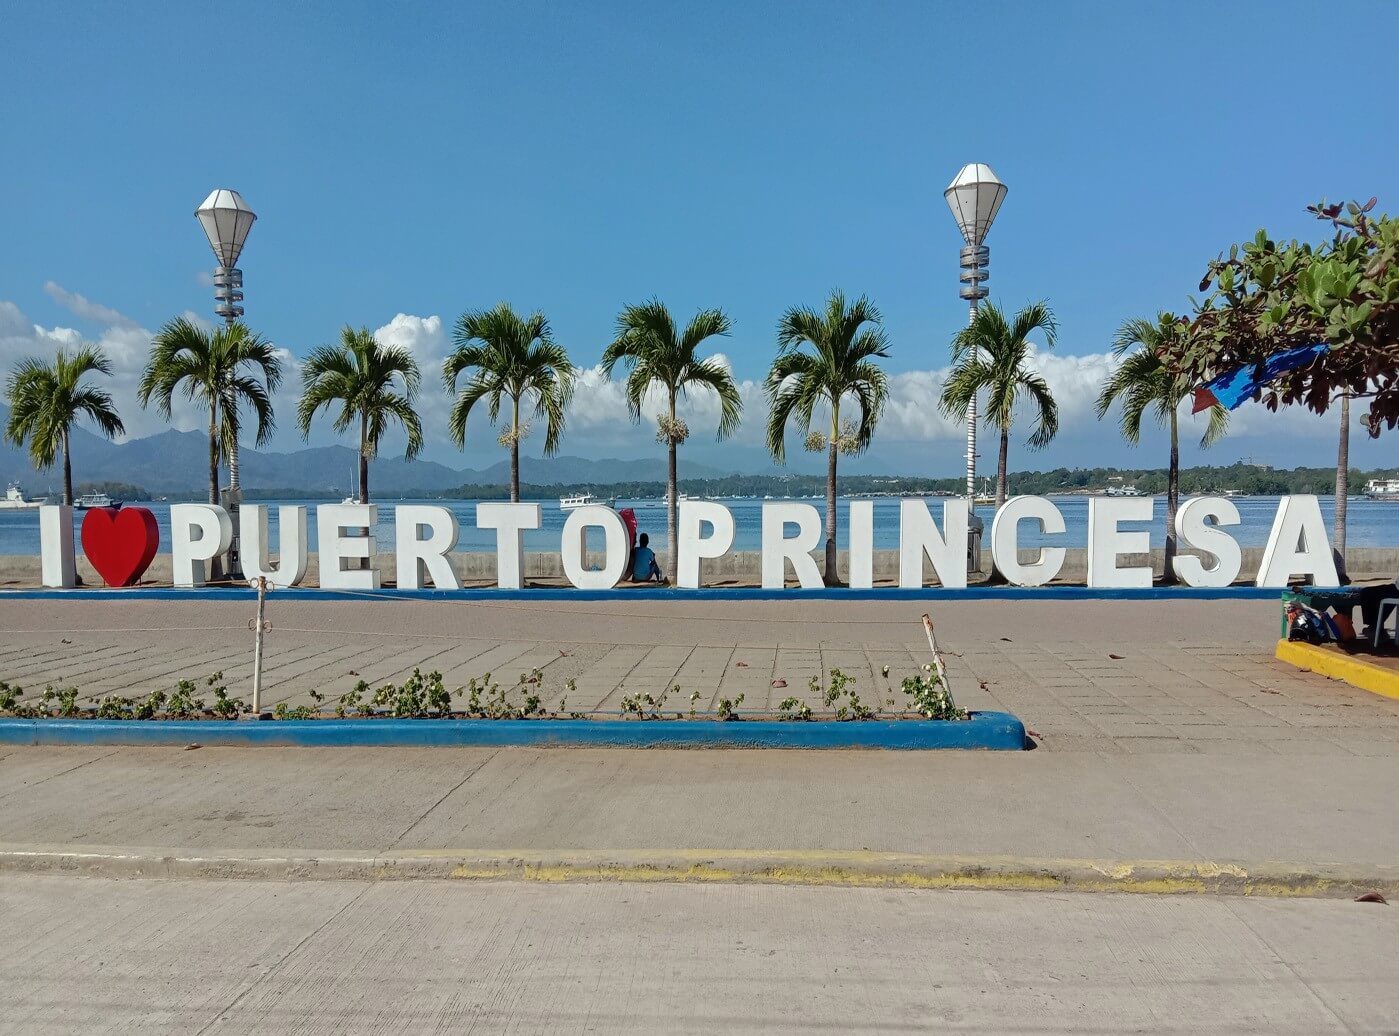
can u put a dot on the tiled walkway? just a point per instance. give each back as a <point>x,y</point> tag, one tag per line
<point>1081,676</point>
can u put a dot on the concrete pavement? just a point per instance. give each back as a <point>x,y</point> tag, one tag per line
<point>1172,677</point>
<point>90,955</point>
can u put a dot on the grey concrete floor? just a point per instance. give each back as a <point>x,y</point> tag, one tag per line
<point>1173,677</point>
<point>91,955</point>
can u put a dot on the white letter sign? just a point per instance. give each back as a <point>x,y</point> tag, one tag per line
<point>1195,530</point>
<point>345,538</point>
<point>778,549</point>
<point>418,557</point>
<point>693,547</point>
<point>1005,540</point>
<point>918,535</point>
<point>291,544</point>
<point>56,562</point>
<point>574,547</point>
<point>1298,546</point>
<point>198,534</point>
<point>509,522</point>
<point>1106,541</point>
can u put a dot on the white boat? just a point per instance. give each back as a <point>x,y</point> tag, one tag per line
<point>15,500</point>
<point>88,501</point>
<point>1383,489</point>
<point>577,500</point>
<point>1116,487</point>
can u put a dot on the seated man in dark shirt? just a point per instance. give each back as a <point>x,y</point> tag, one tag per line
<point>643,563</point>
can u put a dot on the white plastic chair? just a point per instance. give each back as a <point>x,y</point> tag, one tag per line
<point>1388,602</point>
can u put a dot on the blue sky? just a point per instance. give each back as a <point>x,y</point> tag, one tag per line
<point>408,162</point>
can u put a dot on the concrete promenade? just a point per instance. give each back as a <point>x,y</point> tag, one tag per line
<point>708,891</point>
<point>94,955</point>
<point>1166,732</point>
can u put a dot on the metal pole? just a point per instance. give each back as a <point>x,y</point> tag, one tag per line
<point>228,298</point>
<point>259,629</point>
<point>971,434</point>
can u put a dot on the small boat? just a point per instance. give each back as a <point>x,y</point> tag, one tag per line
<point>577,500</point>
<point>88,501</point>
<point>1386,489</point>
<point>16,501</point>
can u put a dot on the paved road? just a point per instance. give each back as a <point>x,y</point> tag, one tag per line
<point>1174,677</point>
<point>90,955</point>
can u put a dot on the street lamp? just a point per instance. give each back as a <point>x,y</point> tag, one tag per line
<point>226,219</point>
<point>974,196</point>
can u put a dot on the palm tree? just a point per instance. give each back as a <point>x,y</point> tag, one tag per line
<point>513,356</point>
<point>652,351</point>
<point>840,364</point>
<point>46,400</point>
<point>992,355</point>
<point>371,382</point>
<point>209,368</point>
<point>1141,381</point>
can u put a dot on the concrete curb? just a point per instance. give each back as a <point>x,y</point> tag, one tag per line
<point>1352,669</point>
<point>795,867</point>
<point>997,731</point>
<point>642,593</point>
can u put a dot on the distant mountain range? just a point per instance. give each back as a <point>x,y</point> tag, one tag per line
<point>174,462</point>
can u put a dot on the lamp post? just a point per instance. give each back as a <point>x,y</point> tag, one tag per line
<point>226,219</point>
<point>974,196</point>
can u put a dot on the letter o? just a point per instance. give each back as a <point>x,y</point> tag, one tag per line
<point>615,551</point>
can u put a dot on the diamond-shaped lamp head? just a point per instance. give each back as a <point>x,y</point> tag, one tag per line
<point>974,196</point>
<point>226,220</point>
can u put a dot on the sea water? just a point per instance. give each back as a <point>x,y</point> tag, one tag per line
<point>1370,523</point>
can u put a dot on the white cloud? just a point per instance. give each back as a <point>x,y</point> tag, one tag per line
<point>80,306</point>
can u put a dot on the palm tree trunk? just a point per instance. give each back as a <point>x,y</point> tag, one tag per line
<point>1168,570</point>
<point>1338,536</point>
<point>672,519</point>
<point>67,472</point>
<point>213,453</point>
<point>364,458</point>
<point>515,450</point>
<point>1001,468</point>
<point>832,575</point>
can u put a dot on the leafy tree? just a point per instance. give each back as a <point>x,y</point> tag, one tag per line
<point>1268,297</point>
<point>654,352</point>
<point>46,400</point>
<point>513,357</point>
<point>839,365</point>
<point>1142,382</point>
<point>372,383</point>
<point>211,368</point>
<point>993,356</point>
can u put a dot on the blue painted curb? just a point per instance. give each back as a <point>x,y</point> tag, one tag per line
<point>985,730</point>
<point>717,593</point>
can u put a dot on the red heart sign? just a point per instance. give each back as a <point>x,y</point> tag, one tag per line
<point>120,542</point>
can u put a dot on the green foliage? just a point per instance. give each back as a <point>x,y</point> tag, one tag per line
<point>418,697</point>
<point>211,367</point>
<point>840,363</point>
<point>728,709</point>
<point>282,711</point>
<point>373,384</point>
<point>1268,297</point>
<point>928,696</point>
<point>514,359</point>
<point>994,355</point>
<point>10,696</point>
<point>853,708</point>
<point>793,709</point>
<point>182,704</point>
<point>224,707</point>
<point>46,400</point>
<point>62,702</point>
<point>644,706</point>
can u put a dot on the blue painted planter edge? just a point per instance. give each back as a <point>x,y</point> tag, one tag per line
<point>717,593</point>
<point>985,730</point>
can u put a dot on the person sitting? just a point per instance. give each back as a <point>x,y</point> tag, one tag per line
<point>1369,598</point>
<point>643,563</point>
